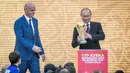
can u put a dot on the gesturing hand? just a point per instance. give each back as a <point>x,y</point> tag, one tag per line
<point>37,49</point>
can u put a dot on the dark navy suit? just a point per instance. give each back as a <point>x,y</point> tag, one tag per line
<point>25,41</point>
<point>97,34</point>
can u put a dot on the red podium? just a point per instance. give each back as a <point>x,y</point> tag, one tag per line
<point>92,60</point>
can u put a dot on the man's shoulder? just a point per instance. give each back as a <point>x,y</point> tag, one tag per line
<point>34,18</point>
<point>95,22</point>
<point>20,18</point>
<point>23,17</point>
<point>75,28</point>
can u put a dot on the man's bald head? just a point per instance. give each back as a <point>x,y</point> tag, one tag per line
<point>29,9</point>
<point>28,5</point>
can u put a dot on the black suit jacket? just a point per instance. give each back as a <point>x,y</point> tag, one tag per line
<point>96,33</point>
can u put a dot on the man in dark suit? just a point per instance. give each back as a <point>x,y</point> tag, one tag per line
<point>28,41</point>
<point>93,34</point>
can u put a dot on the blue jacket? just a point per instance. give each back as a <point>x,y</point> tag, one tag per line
<point>25,39</point>
<point>12,69</point>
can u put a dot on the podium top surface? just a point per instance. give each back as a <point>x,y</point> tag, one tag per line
<point>91,50</point>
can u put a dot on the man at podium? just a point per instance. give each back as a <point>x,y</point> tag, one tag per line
<point>87,34</point>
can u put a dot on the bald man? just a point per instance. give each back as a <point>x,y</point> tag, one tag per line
<point>28,41</point>
<point>93,34</point>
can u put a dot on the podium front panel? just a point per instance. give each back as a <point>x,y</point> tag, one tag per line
<point>92,60</point>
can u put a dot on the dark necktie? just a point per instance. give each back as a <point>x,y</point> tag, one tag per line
<point>31,26</point>
<point>88,28</point>
<point>32,30</point>
<point>34,39</point>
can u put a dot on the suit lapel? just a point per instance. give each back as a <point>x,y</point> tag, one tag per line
<point>27,26</point>
<point>25,22</point>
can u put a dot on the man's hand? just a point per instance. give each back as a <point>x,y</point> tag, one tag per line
<point>37,49</point>
<point>81,38</point>
<point>87,35</point>
<point>43,57</point>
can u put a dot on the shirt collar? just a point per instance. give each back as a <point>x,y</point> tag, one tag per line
<point>87,23</point>
<point>27,18</point>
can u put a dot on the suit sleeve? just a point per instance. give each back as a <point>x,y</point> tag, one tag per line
<point>99,35</point>
<point>18,29</point>
<point>38,41</point>
<point>75,42</point>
